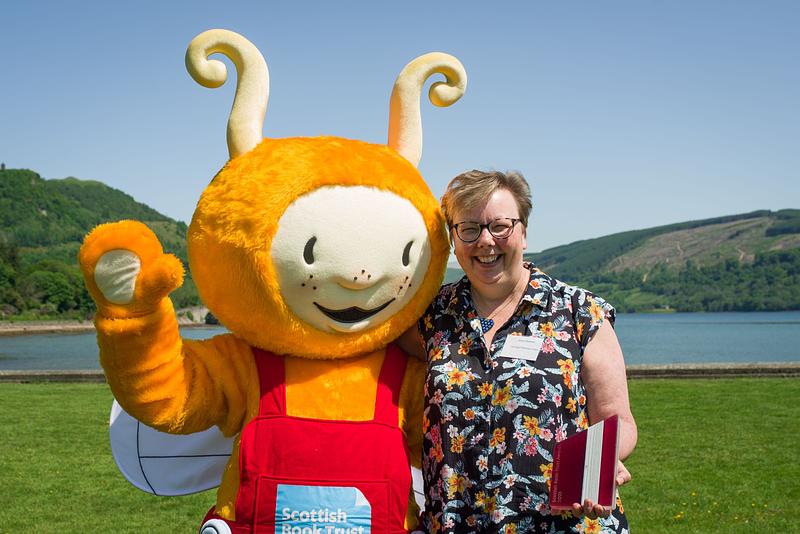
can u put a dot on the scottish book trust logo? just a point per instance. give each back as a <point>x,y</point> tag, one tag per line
<point>336,510</point>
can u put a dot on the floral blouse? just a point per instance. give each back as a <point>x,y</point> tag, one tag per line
<point>491,422</point>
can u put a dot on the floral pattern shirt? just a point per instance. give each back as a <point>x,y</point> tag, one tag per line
<point>491,422</point>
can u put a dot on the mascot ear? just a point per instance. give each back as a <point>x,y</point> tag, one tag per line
<point>405,124</point>
<point>252,88</point>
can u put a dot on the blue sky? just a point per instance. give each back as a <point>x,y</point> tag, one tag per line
<point>622,115</point>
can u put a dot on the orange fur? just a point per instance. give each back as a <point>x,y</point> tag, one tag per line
<point>183,386</point>
<point>237,218</point>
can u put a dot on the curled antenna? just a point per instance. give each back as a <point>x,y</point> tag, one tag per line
<point>252,87</point>
<point>405,123</point>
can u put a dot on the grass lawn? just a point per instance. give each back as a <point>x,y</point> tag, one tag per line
<point>713,456</point>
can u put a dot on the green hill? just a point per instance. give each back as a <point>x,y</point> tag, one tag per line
<point>705,242</point>
<point>43,224</point>
<point>740,262</point>
<point>749,261</point>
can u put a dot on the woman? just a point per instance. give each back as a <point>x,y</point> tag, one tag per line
<point>491,422</point>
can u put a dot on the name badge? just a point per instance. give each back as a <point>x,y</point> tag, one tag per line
<point>522,347</point>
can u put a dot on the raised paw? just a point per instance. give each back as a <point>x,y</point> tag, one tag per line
<point>125,268</point>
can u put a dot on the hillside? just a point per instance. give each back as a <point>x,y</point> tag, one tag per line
<point>705,242</point>
<point>43,224</point>
<point>707,245</point>
<point>749,261</point>
<point>740,262</point>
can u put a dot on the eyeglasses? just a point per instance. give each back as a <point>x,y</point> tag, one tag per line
<point>500,228</point>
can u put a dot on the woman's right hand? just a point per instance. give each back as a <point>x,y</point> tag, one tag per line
<point>593,511</point>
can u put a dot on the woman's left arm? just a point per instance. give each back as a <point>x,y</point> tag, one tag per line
<point>603,374</point>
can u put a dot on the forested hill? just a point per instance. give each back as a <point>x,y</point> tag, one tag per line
<point>43,224</point>
<point>738,262</point>
<point>746,262</point>
<point>38,212</point>
<point>704,243</point>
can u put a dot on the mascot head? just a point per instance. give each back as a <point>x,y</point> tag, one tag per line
<point>318,247</point>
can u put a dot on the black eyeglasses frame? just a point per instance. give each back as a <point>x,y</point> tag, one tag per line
<point>487,226</point>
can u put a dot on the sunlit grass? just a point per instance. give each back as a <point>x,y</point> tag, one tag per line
<point>57,472</point>
<point>713,456</point>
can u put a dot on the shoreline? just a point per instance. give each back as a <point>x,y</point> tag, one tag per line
<point>22,328</point>
<point>634,372</point>
<point>67,326</point>
<point>77,326</point>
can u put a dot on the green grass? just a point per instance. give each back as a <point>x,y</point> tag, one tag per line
<point>713,456</point>
<point>57,472</point>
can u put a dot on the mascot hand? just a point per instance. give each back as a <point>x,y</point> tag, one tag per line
<point>126,270</point>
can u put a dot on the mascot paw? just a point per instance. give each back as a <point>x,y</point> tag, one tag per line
<point>126,270</point>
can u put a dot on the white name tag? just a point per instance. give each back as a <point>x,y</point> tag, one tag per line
<point>522,347</point>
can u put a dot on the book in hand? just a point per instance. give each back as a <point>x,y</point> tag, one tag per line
<point>585,467</point>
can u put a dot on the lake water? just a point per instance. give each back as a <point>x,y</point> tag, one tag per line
<point>645,339</point>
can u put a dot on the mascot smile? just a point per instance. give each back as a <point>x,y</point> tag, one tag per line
<point>315,253</point>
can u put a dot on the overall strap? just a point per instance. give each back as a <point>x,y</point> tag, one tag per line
<point>387,398</point>
<point>272,380</point>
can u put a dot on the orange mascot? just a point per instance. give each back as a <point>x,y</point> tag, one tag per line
<point>315,253</point>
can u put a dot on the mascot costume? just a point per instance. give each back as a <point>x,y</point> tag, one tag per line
<point>315,253</point>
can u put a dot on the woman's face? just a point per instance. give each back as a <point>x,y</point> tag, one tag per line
<point>488,260</point>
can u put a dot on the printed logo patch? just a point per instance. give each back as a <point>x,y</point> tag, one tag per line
<point>321,510</point>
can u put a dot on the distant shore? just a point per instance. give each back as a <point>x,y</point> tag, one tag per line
<point>680,371</point>
<point>21,328</point>
<point>74,326</point>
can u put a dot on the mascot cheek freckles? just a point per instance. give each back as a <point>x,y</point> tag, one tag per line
<point>315,253</point>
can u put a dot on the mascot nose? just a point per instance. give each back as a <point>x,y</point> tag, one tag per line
<point>359,279</point>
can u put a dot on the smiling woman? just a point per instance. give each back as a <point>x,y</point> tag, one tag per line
<point>494,410</point>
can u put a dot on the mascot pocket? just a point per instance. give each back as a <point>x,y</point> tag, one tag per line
<point>305,506</point>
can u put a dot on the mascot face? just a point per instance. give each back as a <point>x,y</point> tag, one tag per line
<point>318,247</point>
<point>347,257</point>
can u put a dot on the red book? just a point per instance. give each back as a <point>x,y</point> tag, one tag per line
<point>585,467</point>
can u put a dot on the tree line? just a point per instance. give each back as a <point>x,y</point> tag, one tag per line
<point>770,283</point>
<point>50,288</point>
<point>54,289</point>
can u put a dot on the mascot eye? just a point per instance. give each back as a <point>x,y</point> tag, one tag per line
<point>308,252</point>
<point>407,253</point>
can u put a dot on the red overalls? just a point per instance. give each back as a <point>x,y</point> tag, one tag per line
<point>282,453</point>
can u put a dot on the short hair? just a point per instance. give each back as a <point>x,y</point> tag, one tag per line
<point>472,188</point>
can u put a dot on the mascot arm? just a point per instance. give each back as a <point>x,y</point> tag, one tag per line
<point>412,403</point>
<point>169,384</point>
